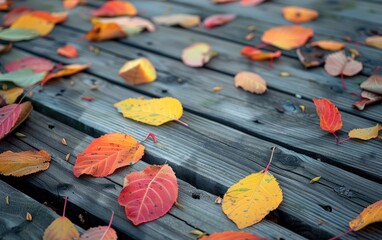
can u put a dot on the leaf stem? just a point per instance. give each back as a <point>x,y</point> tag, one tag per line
<point>152,136</point>
<point>271,63</point>
<point>341,235</point>
<point>108,227</point>
<point>181,122</point>
<point>63,212</point>
<point>343,140</point>
<point>261,45</point>
<point>270,160</point>
<point>376,70</point>
<point>336,137</point>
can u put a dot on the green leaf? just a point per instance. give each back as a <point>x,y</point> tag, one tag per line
<point>23,78</point>
<point>14,35</point>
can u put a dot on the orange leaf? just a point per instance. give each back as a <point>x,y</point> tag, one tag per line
<point>374,41</point>
<point>197,54</point>
<point>337,64</point>
<point>149,194</point>
<point>127,22</point>
<point>330,117</point>
<point>105,31</point>
<point>230,235</point>
<point>365,133</point>
<point>58,17</point>
<point>33,23</point>
<point>107,153</point>
<point>138,71</point>
<point>116,8</point>
<point>371,214</point>
<point>65,71</point>
<point>23,163</point>
<point>5,5</point>
<point>328,45</point>
<point>251,82</point>
<point>256,54</point>
<point>248,201</point>
<point>287,37</point>
<point>68,51</point>
<point>69,4</point>
<point>299,14</point>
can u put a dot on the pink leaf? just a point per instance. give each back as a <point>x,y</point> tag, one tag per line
<point>8,118</point>
<point>218,20</point>
<point>251,2</point>
<point>100,233</point>
<point>38,65</point>
<point>337,64</point>
<point>149,194</point>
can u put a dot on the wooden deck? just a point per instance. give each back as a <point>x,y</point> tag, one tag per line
<point>230,132</point>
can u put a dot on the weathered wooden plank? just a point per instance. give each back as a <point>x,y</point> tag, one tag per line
<point>237,109</point>
<point>237,30</point>
<point>308,84</point>
<point>206,155</point>
<point>200,213</point>
<point>13,225</point>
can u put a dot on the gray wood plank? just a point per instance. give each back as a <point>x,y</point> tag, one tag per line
<point>236,108</point>
<point>13,225</point>
<point>212,157</point>
<point>201,213</point>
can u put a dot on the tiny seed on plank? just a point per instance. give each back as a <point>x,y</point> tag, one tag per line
<point>63,141</point>
<point>28,217</point>
<point>67,157</point>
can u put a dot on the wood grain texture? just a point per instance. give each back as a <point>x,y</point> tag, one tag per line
<point>13,225</point>
<point>201,213</point>
<point>212,157</point>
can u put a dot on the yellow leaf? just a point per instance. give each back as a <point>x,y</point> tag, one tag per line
<point>11,95</point>
<point>138,71</point>
<point>23,163</point>
<point>248,201</point>
<point>37,24</point>
<point>365,133</point>
<point>154,111</point>
<point>61,228</point>
<point>371,214</point>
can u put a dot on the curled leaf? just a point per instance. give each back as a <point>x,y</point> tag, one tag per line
<point>69,4</point>
<point>105,31</point>
<point>153,111</point>
<point>371,214</point>
<point>116,8</point>
<point>197,54</point>
<point>310,56</point>
<point>299,14</point>
<point>368,98</point>
<point>149,194</point>
<point>287,37</point>
<point>107,153</point>
<point>68,51</point>
<point>374,41</point>
<point>5,5</point>
<point>373,84</point>
<point>218,20</point>
<point>256,54</point>
<point>183,20</point>
<point>365,133</point>
<point>128,23</point>
<point>251,82</point>
<point>4,48</point>
<point>138,71</point>
<point>230,235</point>
<point>23,163</point>
<point>328,45</point>
<point>65,71</point>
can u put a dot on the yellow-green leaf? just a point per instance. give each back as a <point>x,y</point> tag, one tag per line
<point>365,133</point>
<point>153,111</point>
<point>248,201</point>
<point>315,179</point>
<point>61,228</point>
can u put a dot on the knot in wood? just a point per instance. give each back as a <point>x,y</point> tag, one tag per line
<point>289,162</point>
<point>344,191</point>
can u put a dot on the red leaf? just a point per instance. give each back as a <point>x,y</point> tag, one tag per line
<point>218,20</point>
<point>38,65</point>
<point>107,153</point>
<point>149,194</point>
<point>13,15</point>
<point>330,117</point>
<point>8,118</point>
<point>68,51</point>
